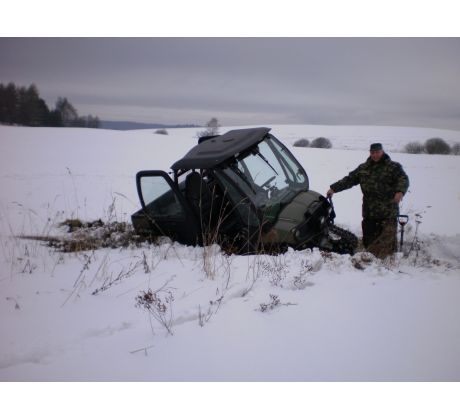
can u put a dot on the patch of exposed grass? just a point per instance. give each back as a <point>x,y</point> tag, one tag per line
<point>87,236</point>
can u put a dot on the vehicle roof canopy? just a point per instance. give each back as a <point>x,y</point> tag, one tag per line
<point>216,150</point>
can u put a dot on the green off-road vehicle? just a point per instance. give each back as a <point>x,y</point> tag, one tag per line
<point>244,190</point>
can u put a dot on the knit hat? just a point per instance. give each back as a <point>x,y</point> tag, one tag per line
<point>375,147</point>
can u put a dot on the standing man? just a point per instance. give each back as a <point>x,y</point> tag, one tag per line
<point>383,183</point>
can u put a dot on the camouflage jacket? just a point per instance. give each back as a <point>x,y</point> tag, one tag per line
<point>379,182</point>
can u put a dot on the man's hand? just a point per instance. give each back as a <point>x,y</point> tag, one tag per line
<point>398,197</point>
<point>330,193</point>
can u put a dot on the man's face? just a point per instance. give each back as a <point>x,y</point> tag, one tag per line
<point>376,155</point>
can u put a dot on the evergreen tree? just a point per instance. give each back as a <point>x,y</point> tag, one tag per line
<point>23,106</point>
<point>69,115</point>
<point>55,119</point>
<point>92,122</point>
<point>43,113</point>
<point>2,103</point>
<point>22,111</point>
<point>8,104</point>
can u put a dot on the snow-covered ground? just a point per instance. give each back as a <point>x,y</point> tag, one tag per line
<point>301,316</point>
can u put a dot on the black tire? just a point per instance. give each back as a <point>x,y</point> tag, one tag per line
<point>343,241</point>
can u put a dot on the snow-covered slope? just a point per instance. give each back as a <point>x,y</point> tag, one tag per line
<point>300,316</point>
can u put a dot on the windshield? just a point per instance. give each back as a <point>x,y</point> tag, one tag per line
<point>269,175</point>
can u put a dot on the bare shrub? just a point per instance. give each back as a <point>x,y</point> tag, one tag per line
<point>275,302</point>
<point>204,317</point>
<point>80,283</point>
<point>158,304</point>
<point>112,279</point>
<point>437,146</point>
<point>414,147</point>
<point>321,143</point>
<point>301,281</point>
<point>302,143</point>
<point>29,266</point>
<point>456,149</point>
<point>275,269</point>
<point>161,131</point>
<point>212,128</point>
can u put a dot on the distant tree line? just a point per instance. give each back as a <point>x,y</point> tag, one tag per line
<point>434,146</point>
<point>20,105</point>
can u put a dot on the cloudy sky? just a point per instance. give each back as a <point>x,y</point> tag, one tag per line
<point>245,81</point>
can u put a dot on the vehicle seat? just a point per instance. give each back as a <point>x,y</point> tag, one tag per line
<point>199,196</point>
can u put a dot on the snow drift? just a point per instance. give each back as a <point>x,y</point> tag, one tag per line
<point>163,311</point>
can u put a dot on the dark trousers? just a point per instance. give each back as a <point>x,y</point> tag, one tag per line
<point>379,236</point>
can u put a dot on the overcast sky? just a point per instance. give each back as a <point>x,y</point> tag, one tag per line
<point>245,81</point>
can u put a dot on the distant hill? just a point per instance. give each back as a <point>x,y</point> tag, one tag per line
<point>129,125</point>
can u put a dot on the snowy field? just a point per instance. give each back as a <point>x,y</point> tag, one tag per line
<point>301,316</point>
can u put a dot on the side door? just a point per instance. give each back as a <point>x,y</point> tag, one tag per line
<point>165,207</point>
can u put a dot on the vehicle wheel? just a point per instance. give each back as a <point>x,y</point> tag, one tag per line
<point>343,241</point>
